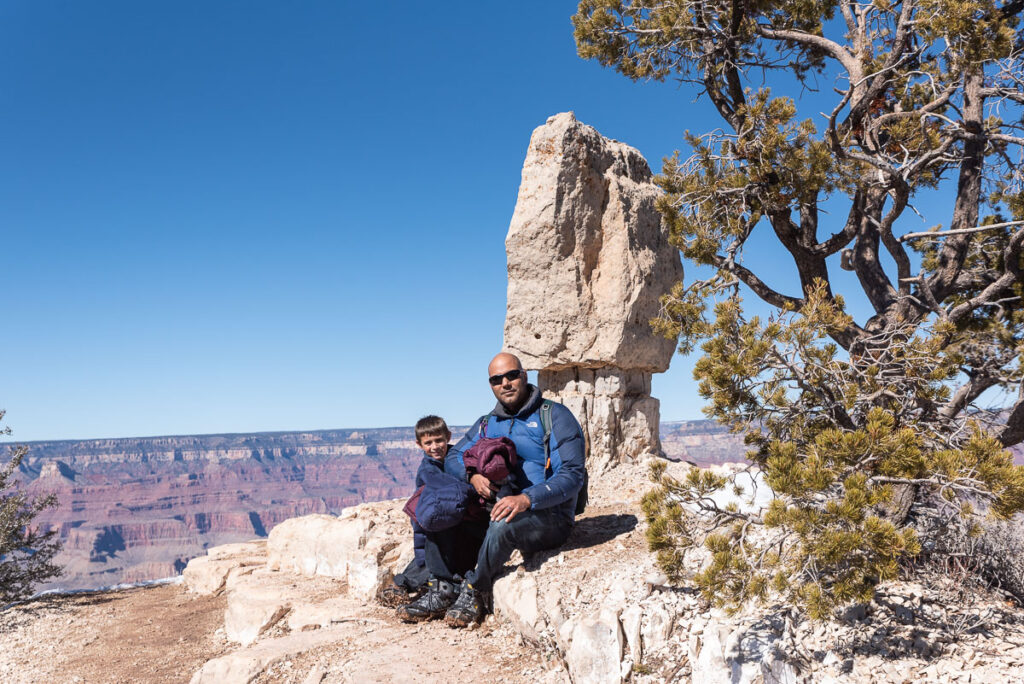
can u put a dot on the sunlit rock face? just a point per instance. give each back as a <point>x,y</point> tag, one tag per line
<point>588,260</point>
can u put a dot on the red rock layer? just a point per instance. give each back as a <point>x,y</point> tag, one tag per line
<point>138,509</point>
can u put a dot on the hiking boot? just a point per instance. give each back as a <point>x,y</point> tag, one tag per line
<point>438,597</point>
<point>393,596</point>
<point>468,608</point>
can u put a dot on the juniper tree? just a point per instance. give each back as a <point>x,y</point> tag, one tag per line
<point>26,552</point>
<point>880,433</point>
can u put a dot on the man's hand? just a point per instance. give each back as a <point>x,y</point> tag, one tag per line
<point>509,507</point>
<point>482,486</point>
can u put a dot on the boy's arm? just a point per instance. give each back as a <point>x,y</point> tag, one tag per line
<point>567,443</point>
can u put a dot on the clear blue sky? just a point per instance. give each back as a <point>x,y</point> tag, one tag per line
<point>247,216</point>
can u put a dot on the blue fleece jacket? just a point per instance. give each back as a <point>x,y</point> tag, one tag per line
<point>555,488</point>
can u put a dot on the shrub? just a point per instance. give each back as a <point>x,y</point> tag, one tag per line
<point>26,553</point>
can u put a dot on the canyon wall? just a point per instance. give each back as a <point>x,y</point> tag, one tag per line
<point>137,509</point>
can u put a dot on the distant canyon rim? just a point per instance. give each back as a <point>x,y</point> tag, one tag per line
<point>137,509</point>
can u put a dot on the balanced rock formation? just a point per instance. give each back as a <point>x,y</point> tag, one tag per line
<point>588,260</point>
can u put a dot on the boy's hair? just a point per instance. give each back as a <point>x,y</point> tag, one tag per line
<point>431,425</point>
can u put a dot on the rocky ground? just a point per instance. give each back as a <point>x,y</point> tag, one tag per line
<point>165,634</point>
<point>298,609</point>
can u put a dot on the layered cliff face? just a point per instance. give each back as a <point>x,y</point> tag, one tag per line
<point>138,509</point>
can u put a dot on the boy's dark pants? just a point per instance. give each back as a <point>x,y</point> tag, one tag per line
<point>451,553</point>
<point>530,531</point>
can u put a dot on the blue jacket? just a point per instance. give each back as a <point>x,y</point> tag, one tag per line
<point>419,541</point>
<point>556,488</point>
<point>444,500</point>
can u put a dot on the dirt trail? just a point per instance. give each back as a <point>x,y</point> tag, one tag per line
<point>151,634</point>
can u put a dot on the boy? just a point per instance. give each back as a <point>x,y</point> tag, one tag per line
<point>432,436</point>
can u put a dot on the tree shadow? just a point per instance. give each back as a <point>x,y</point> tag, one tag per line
<point>598,530</point>
<point>895,627</point>
<point>587,532</point>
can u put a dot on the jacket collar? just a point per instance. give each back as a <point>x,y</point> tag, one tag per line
<point>533,401</point>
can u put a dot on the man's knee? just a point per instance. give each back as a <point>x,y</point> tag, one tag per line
<point>500,531</point>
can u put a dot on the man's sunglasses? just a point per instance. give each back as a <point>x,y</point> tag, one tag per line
<point>510,376</point>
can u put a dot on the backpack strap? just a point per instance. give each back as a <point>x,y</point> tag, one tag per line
<point>483,425</point>
<point>545,421</point>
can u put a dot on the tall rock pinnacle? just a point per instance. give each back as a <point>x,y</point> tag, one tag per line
<point>588,259</point>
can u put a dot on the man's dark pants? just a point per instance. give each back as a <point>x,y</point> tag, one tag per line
<point>530,531</point>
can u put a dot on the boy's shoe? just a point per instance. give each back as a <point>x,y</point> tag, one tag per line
<point>468,608</point>
<point>393,596</point>
<point>438,597</point>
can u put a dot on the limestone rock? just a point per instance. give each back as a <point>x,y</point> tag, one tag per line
<point>365,546</point>
<point>587,254</point>
<point>253,551</point>
<point>595,655</point>
<point>707,655</point>
<point>631,620</point>
<point>588,260</point>
<point>245,665</point>
<point>207,575</point>
<point>657,628</point>
<point>729,651</point>
<point>316,545</point>
<point>256,603</point>
<point>516,598</point>
<point>319,615</point>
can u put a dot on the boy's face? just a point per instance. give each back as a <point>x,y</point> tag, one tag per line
<point>435,446</point>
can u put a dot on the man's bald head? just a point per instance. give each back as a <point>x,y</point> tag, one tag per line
<point>504,362</point>
<point>508,381</point>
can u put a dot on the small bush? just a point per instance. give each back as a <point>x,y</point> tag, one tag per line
<point>26,553</point>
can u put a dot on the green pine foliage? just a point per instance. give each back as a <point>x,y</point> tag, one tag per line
<point>26,553</point>
<point>877,437</point>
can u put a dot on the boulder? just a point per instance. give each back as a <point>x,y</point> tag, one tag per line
<point>207,575</point>
<point>588,257</point>
<point>588,260</point>
<point>516,599</point>
<point>364,546</point>
<point>257,602</point>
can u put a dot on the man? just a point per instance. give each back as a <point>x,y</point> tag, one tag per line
<point>540,517</point>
